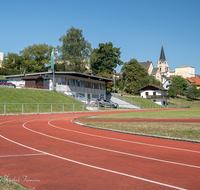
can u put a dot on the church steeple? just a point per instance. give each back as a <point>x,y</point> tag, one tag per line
<point>163,63</point>
<point>162,54</point>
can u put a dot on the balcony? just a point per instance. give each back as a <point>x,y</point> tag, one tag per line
<point>163,97</point>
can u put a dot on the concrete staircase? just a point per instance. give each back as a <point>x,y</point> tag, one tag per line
<point>123,104</point>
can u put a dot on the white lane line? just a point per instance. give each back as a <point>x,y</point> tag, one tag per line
<point>95,167</point>
<point>7,156</point>
<point>109,150</point>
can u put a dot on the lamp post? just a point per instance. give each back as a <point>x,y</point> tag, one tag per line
<point>114,81</point>
<point>52,64</point>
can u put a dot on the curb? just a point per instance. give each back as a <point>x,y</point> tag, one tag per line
<point>140,134</point>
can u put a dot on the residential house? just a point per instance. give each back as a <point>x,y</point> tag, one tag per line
<point>194,80</point>
<point>151,70</point>
<point>166,81</point>
<point>154,93</point>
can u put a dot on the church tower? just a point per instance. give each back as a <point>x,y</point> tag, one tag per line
<point>162,63</point>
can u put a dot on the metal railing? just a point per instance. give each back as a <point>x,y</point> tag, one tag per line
<point>49,108</point>
<point>157,97</point>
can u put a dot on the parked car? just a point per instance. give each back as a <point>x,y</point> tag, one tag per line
<point>106,103</point>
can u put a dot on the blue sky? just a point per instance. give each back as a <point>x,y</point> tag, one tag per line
<point>138,27</point>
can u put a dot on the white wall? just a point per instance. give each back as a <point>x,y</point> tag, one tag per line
<point>17,82</point>
<point>1,56</point>
<point>150,93</point>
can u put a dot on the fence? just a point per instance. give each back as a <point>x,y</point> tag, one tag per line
<point>41,108</point>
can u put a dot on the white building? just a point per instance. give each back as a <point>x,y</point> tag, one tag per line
<point>154,93</point>
<point>1,58</point>
<point>84,87</point>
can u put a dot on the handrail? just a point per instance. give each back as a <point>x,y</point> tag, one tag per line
<point>33,86</point>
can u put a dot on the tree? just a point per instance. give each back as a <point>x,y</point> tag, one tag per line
<point>13,61</point>
<point>36,56</point>
<point>105,59</point>
<point>133,73</point>
<point>75,50</point>
<point>149,80</point>
<point>192,92</point>
<point>179,85</point>
<point>109,85</point>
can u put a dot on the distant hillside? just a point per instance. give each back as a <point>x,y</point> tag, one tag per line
<point>182,100</point>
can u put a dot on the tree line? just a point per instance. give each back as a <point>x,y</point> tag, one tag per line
<point>75,54</point>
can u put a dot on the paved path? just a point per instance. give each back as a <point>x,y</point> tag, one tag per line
<point>51,152</point>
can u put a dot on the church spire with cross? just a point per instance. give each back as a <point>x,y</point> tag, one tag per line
<point>162,54</point>
<point>162,63</point>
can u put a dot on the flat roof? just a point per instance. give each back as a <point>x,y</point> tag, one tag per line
<point>70,73</point>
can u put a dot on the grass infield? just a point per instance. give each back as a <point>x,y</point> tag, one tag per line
<point>168,114</point>
<point>179,130</point>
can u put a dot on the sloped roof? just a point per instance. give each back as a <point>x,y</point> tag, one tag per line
<point>195,80</point>
<point>152,85</point>
<point>154,71</point>
<point>184,65</point>
<point>146,64</point>
<point>31,77</point>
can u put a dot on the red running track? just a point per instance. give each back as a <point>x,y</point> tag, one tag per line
<point>51,152</point>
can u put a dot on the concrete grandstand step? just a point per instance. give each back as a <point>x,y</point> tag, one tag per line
<point>123,103</point>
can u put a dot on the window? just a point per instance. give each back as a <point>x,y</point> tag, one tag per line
<point>154,93</point>
<point>72,82</point>
<point>146,93</point>
<point>87,84</point>
<point>59,81</point>
<point>95,96</point>
<point>78,83</point>
<point>63,81</point>
<point>154,100</point>
<point>82,83</point>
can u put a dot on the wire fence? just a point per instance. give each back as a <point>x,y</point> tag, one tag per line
<point>49,108</point>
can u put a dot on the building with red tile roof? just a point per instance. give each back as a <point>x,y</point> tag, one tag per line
<point>194,80</point>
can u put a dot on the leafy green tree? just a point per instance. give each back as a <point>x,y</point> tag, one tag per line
<point>75,50</point>
<point>109,85</point>
<point>173,91</point>
<point>132,73</point>
<point>149,80</point>
<point>192,92</point>
<point>13,61</point>
<point>36,56</point>
<point>105,58</point>
<point>179,84</point>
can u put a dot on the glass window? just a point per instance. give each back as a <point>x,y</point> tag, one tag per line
<point>88,84</point>
<point>63,81</point>
<point>59,81</point>
<point>78,83</point>
<point>82,83</point>
<point>72,82</point>
<point>95,96</point>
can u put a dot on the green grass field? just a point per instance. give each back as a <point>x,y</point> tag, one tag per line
<point>180,130</point>
<point>176,114</point>
<point>13,95</point>
<point>180,101</point>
